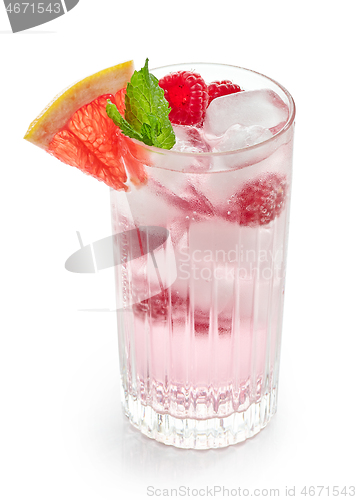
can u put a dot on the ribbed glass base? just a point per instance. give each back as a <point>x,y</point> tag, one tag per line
<point>201,434</point>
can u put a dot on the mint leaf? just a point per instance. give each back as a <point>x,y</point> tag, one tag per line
<point>152,131</point>
<point>126,128</point>
<point>146,111</point>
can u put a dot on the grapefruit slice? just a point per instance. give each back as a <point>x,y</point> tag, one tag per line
<point>75,128</point>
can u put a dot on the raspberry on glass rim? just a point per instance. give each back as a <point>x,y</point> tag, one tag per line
<point>220,88</point>
<point>187,95</point>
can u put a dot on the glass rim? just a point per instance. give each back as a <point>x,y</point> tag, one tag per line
<point>287,126</point>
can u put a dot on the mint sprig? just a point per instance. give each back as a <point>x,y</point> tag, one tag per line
<point>146,111</point>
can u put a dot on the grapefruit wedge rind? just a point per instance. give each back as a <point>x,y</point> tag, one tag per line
<point>57,114</point>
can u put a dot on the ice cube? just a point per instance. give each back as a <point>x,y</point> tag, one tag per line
<point>252,107</point>
<point>189,140</point>
<point>190,201</point>
<point>201,256</point>
<point>238,136</point>
<point>212,256</point>
<point>221,262</point>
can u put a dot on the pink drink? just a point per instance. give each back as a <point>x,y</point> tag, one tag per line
<point>199,315</point>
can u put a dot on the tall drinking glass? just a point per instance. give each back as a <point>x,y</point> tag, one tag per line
<point>200,254</point>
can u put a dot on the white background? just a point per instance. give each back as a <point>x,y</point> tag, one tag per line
<point>62,431</point>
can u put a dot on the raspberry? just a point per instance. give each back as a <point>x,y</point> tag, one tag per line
<point>160,308</point>
<point>259,201</point>
<point>187,95</point>
<point>157,307</point>
<point>224,87</point>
